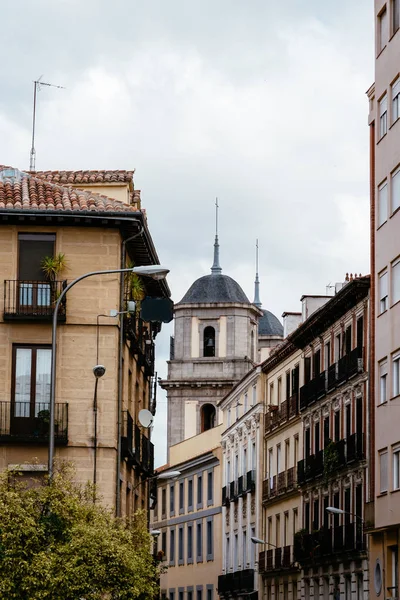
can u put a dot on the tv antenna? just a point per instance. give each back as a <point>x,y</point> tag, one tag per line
<point>36,88</point>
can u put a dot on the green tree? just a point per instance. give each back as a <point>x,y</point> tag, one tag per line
<point>55,544</point>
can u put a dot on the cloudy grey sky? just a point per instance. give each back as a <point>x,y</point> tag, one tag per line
<point>257,102</point>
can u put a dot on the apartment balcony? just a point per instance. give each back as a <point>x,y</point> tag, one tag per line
<point>341,454</point>
<point>279,485</point>
<point>237,583</point>
<point>321,546</point>
<point>276,559</point>
<point>278,415</point>
<point>240,486</point>
<point>24,422</point>
<point>336,374</point>
<point>251,481</point>
<point>136,448</point>
<point>293,405</point>
<point>33,300</point>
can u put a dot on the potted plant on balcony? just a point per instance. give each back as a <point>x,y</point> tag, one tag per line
<point>136,289</point>
<point>331,459</point>
<point>43,419</point>
<point>52,267</point>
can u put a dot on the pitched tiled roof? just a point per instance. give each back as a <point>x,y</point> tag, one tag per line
<point>84,177</point>
<point>19,190</point>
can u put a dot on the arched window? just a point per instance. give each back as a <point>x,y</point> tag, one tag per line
<point>207,415</point>
<point>209,342</point>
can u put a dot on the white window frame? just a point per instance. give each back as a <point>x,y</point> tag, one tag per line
<point>395,186</point>
<point>383,290</point>
<point>382,116</point>
<point>383,471</point>
<point>382,203</point>
<point>396,468</point>
<point>395,282</point>
<point>396,373</point>
<point>395,100</point>
<point>382,29</point>
<point>383,372</point>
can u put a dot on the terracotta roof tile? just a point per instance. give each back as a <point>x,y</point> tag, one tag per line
<point>19,190</point>
<point>84,177</point>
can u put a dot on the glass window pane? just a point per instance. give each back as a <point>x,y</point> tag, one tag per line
<point>395,190</point>
<point>396,282</point>
<point>23,382</point>
<point>382,204</point>
<point>43,376</point>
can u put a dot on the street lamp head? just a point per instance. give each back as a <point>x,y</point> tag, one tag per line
<point>154,271</point>
<point>168,474</point>
<point>99,371</point>
<point>335,511</point>
<point>155,532</point>
<point>256,540</point>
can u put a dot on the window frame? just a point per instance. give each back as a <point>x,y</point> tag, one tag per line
<point>210,488</point>
<point>396,467</point>
<point>181,492</point>
<point>172,499</point>
<point>383,299</point>
<point>383,33</point>
<point>33,379</point>
<point>172,546</point>
<point>210,538</point>
<point>395,268</point>
<point>395,93</point>
<point>383,115</point>
<point>199,528</point>
<point>383,374</point>
<point>190,494</point>
<point>383,476</point>
<point>396,373</point>
<point>181,545</point>
<point>383,190</point>
<point>189,544</point>
<point>199,491</point>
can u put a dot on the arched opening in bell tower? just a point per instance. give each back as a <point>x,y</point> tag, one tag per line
<point>209,341</point>
<point>207,417</point>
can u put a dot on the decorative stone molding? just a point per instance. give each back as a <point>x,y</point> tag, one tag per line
<point>240,433</point>
<point>336,404</point>
<point>257,417</point>
<point>248,424</point>
<point>231,437</point>
<point>235,513</point>
<point>326,409</point>
<point>244,508</point>
<point>316,416</point>
<point>223,444</point>
<point>358,391</point>
<point>347,397</point>
<point>227,517</point>
<point>253,506</point>
<point>307,422</point>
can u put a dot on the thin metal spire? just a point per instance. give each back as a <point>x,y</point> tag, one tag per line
<point>257,300</point>
<point>216,268</point>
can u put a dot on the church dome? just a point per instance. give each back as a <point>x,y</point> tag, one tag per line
<point>215,288</point>
<point>269,324</point>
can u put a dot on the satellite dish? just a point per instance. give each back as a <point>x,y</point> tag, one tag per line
<point>145,417</point>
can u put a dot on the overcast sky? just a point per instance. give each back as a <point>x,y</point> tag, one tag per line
<point>257,102</point>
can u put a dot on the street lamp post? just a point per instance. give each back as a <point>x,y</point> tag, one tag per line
<point>153,271</point>
<point>339,511</point>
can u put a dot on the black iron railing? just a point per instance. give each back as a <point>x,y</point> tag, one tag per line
<point>318,546</point>
<point>277,485</point>
<point>136,448</point>
<point>347,366</point>
<point>33,300</point>
<point>234,583</point>
<point>29,422</point>
<point>251,480</point>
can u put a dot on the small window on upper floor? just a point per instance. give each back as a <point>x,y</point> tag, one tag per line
<point>383,116</point>
<point>207,413</point>
<point>209,342</point>
<point>395,15</point>
<point>395,185</point>
<point>382,203</point>
<point>383,291</point>
<point>396,99</point>
<point>383,33</point>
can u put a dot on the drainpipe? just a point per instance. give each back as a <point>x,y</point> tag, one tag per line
<point>120,362</point>
<point>95,441</point>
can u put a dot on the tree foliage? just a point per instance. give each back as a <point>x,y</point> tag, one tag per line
<point>55,544</point>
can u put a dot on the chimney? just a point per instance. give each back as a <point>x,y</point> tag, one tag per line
<point>312,303</point>
<point>291,321</point>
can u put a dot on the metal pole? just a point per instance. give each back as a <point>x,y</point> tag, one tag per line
<point>54,357</point>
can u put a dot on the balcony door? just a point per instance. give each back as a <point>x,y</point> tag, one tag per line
<point>33,288</point>
<point>30,403</point>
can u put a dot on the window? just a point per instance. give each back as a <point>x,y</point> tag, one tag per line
<point>287,385</point>
<point>383,465</point>
<point>382,203</point>
<point>199,491</point>
<point>279,391</point>
<point>172,546</point>
<point>253,456</point>
<point>172,499</point>
<point>396,373</point>
<point>164,502</point>
<point>210,539</point>
<point>383,116</point>
<point>190,593</point>
<point>190,543</point>
<point>199,541</point>
<point>171,595</point>
<point>190,494</point>
<point>209,342</point>
<point>180,594</point>
<point>180,545</point>
<point>396,98</point>
<point>395,191</point>
<point>199,592</point>
<point>271,393</point>
<point>395,15</point>
<point>396,469</point>
<point>229,417</point>
<point>32,249</point>
<point>383,381</point>
<point>210,590</point>
<point>181,497</point>
<point>207,415</point>
<point>164,543</point>
<point>254,400</point>
<point>227,553</point>
<point>228,472</point>
<point>395,287</point>
<point>382,29</point>
<point>246,400</point>
<point>244,549</point>
<point>31,388</point>
<point>210,486</point>
<point>235,552</point>
<point>383,292</point>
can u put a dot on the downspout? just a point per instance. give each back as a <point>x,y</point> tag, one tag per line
<point>95,440</point>
<point>120,363</point>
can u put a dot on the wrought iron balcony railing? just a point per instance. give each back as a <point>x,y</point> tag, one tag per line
<point>27,422</point>
<point>236,582</point>
<point>33,300</point>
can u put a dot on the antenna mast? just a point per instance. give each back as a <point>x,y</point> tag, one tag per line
<point>36,88</point>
